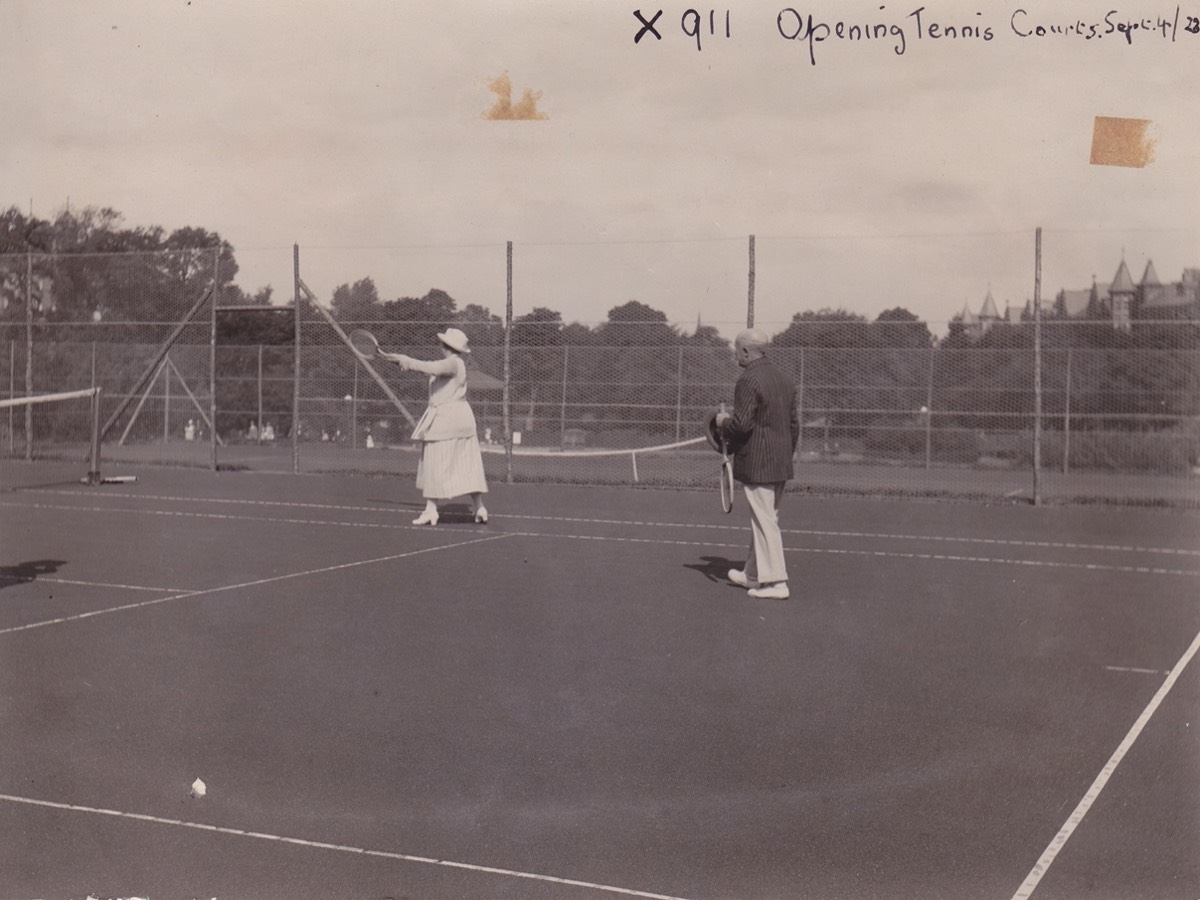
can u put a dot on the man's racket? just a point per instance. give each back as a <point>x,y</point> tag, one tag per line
<point>364,343</point>
<point>726,478</point>
<point>716,440</point>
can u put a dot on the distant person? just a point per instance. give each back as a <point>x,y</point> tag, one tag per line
<point>762,432</point>
<point>451,463</point>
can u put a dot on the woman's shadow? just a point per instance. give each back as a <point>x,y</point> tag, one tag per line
<point>25,572</point>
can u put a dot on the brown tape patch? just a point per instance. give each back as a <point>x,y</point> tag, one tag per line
<point>1123,142</point>
<point>504,107</point>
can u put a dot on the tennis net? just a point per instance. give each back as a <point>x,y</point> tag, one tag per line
<point>62,427</point>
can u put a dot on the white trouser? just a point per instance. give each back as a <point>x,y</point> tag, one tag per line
<point>764,560</point>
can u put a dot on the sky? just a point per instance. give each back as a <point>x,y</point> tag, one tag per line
<point>911,169</point>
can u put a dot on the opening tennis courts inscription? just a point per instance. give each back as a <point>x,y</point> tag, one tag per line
<point>900,30</point>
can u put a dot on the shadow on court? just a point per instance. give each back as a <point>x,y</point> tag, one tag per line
<point>715,568</point>
<point>24,572</point>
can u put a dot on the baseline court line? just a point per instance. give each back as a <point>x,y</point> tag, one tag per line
<point>1039,869</point>
<point>321,845</point>
<point>245,584</point>
<point>1068,545</point>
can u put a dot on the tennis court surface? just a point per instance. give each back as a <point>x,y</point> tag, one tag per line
<point>959,701</point>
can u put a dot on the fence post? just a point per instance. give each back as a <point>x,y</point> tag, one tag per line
<point>212,361</point>
<point>12,392</point>
<point>505,400</point>
<point>1066,460</point>
<point>260,421</point>
<point>679,396</point>
<point>28,354</point>
<point>562,412</point>
<point>296,362</point>
<point>800,404</point>
<point>929,411</point>
<point>1037,368</point>
<point>750,292</point>
<point>166,372</point>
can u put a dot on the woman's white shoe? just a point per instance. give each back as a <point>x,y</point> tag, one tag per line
<point>481,516</point>
<point>429,517</point>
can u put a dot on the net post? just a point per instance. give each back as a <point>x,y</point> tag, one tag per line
<point>93,475</point>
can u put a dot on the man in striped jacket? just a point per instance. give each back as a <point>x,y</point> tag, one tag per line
<point>762,432</point>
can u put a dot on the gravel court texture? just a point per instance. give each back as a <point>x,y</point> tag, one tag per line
<point>580,695</point>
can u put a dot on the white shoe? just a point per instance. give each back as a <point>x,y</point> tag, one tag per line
<point>741,579</point>
<point>481,516</point>
<point>776,591</point>
<point>429,517</point>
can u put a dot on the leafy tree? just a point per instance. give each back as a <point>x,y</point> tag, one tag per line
<point>357,304</point>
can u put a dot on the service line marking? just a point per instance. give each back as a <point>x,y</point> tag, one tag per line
<point>887,554</point>
<point>343,848</point>
<point>893,536</point>
<point>187,595</point>
<point>1039,869</point>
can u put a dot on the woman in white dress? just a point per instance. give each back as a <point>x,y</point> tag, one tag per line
<point>451,464</point>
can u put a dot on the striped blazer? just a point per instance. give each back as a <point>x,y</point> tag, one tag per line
<point>764,427</point>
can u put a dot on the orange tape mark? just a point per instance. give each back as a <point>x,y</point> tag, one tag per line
<point>1123,142</point>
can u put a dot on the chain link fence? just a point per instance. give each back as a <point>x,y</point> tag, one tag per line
<point>192,374</point>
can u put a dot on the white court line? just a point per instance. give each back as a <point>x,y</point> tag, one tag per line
<point>893,536</point>
<point>321,845</point>
<point>1135,670</point>
<point>1039,869</point>
<point>105,584</point>
<point>245,584</point>
<point>886,554</point>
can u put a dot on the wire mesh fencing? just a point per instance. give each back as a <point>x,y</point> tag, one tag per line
<point>193,372</point>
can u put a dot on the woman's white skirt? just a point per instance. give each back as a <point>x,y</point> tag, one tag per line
<point>451,468</point>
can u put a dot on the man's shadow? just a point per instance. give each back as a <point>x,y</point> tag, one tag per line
<point>25,572</point>
<point>715,568</point>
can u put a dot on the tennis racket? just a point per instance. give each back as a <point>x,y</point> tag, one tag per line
<point>364,343</point>
<point>726,478</point>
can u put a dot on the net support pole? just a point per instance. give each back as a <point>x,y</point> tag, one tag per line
<point>93,475</point>
<point>296,301</point>
<point>212,361</point>
<point>1037,368</point>
<point>506,399</point>
<point>750,291</point>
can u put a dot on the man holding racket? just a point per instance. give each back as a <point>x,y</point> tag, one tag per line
<point>762,431</point>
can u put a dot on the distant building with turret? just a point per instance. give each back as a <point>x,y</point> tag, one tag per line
<point>1121,302</point>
